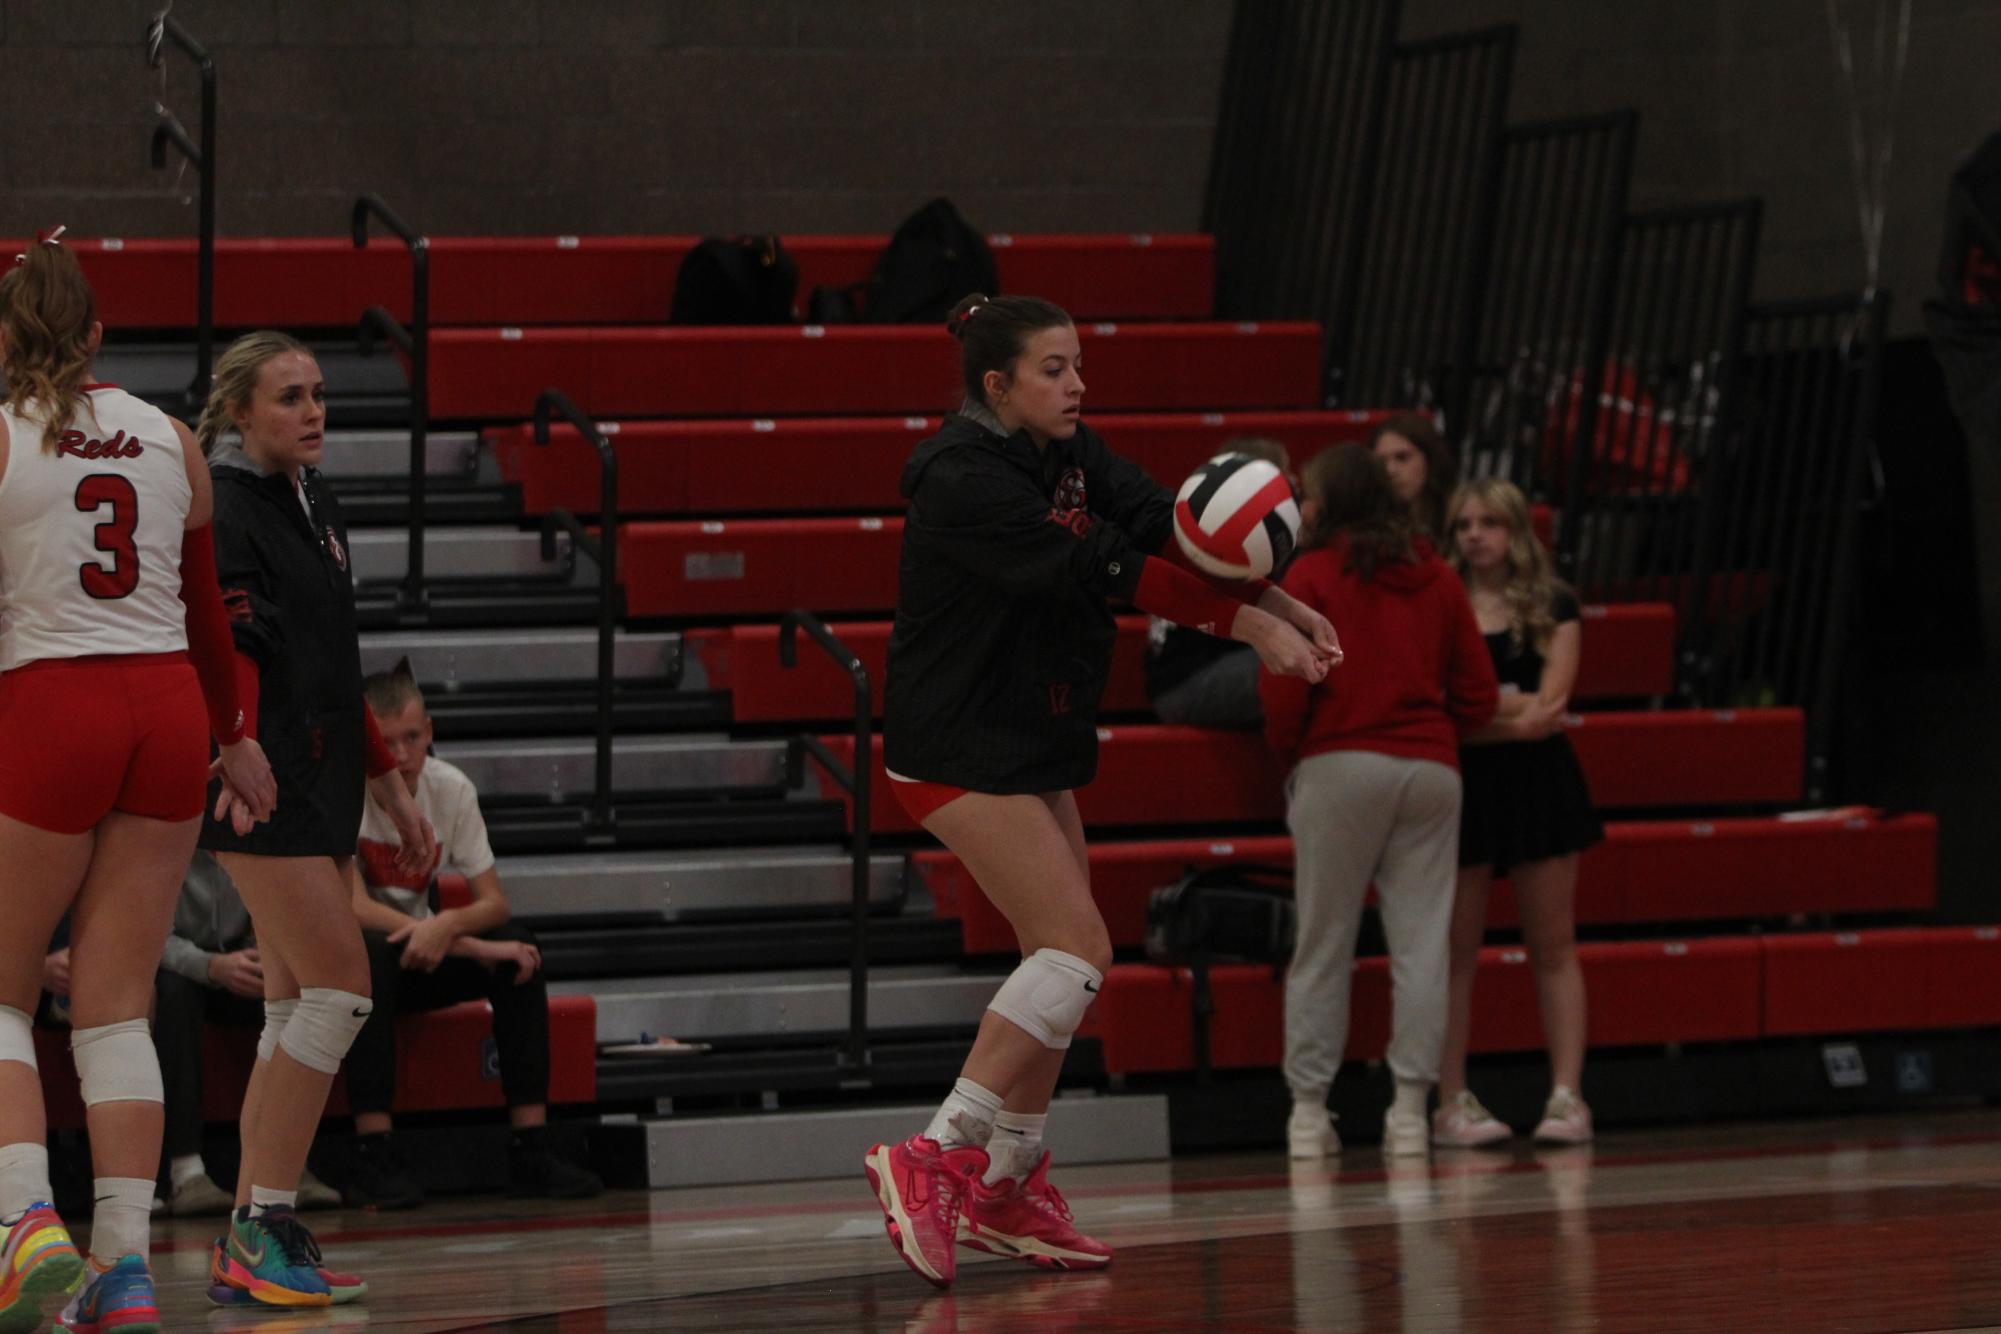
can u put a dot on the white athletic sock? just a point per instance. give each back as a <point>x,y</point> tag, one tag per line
<point>965,1117</point>
<point>24,1179</point>
<point>121,1223</point>
<point>1413,1097</point>
<point>1016,1146</point>
<point>263,1198</point>
<point>184,1168</point>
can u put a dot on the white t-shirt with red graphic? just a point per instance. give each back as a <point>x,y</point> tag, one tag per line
<point>448,799</point>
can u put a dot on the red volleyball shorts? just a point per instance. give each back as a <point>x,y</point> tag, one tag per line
<point>920,799</point>
<point>81,737</point>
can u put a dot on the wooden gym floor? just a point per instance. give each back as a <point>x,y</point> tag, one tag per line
<point>1861,1224</point>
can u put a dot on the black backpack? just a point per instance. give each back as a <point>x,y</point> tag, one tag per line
<point>934,259</point>
<point>736,280</point>
<point>1230,912</point>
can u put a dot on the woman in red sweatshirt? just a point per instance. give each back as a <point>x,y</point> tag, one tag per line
<point>1373,789</point>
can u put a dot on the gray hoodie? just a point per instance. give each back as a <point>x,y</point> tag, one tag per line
<point>210,919</point>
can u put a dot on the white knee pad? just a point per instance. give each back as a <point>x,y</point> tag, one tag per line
<point>117,1063</point>
<point>1046,997</point>
<point>277,1013</point>
<point>17,1037</point>
<point>323,1026</point>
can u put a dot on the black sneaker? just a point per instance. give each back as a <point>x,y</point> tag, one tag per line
<point>536,1171</point>
<point>377,1177</point>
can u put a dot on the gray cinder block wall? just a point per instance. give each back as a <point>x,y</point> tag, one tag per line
<point>584,116</point>
<point>558,116</point>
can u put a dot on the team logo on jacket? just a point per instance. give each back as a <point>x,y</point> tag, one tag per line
<point>1070,490</point>
<point>336,550</point>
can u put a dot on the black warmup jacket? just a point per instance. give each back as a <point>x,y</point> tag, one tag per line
<point>289,588</point>
<point>1003,640</point>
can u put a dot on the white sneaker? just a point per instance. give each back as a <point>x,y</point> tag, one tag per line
<point>199,1195</point>
<point>315,1193</point>
<point>1405,1134</point>
<point>1565,1119</point>
<point>1310,1133</point>
<point>1464,1124</point>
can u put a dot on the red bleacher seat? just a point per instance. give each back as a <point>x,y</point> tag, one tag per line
<point>1642,993</point>
<point>1633,760</point>
<point>1644,872</point>
<point>324,280</point>
<point>809,370</point>
<point>1963,984</point>
<point>1848,981</point>
<point>1620,650</point>
<point>843,463</point>
<point>1686,758</point>
<point>438,1059</point>
<point>757,566</point>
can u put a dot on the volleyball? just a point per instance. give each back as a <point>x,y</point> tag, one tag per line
<point>1235,517</point>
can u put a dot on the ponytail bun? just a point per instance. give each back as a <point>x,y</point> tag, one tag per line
<point>955,323</point>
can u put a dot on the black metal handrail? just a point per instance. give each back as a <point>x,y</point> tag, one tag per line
<point>857,782</point>
<point>169,130</point>
<point>415,343</point>
<point>604,550</point>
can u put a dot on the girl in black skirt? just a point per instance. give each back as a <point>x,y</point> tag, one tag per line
<point>282,558</point>
<point>1527,812</point>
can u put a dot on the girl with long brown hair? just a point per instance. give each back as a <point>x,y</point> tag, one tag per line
<point>1373,791</point>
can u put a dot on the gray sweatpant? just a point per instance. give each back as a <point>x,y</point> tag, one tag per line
<point>1356,817</point>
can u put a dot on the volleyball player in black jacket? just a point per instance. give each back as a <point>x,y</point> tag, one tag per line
<point>283,562</point>
<point>1022,526</point>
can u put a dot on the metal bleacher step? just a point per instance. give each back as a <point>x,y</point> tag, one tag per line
<point>543,681</point>
<point>362,391</point>
<point>665,951</point>
<point>462,484</point>
<point>447,501</point>
<point>780,1005</point>
<point>470,659</point>
<point>726,884</point>
<point>684,823</point>
<point>822,1144</point>
<point>357,460</point>
<point>563,769</point>
<point>486,553</point>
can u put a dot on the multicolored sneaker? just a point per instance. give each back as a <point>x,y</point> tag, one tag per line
<point>271,1259</point>
<point>38,1264</point>
<point>921,1188</point>
<point>343,1288</point>
<point>118,1300</point>
<point>1028,1220</point>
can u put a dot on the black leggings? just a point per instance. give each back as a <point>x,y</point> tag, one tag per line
<point>520,1019</point>
<point>182,1008</point>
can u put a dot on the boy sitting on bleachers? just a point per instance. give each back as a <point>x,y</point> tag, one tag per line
<point>421,958</point>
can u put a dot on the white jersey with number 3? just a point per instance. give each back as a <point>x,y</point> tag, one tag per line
<point>90,533</point>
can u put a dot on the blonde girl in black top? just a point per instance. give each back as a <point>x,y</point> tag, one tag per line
<point>1527,812</point>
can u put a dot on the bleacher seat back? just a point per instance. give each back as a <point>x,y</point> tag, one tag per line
<point>736,280</point>
<point>934,259</point>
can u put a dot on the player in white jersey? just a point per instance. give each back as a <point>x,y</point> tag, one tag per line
<point>115,665</point>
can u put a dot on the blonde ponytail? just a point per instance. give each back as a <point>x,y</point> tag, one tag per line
<point>46,311</point>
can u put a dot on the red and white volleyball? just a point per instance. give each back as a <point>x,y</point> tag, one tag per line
<point>1235,517</point>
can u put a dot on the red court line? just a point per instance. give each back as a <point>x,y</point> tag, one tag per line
<point>1356,1176</point>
